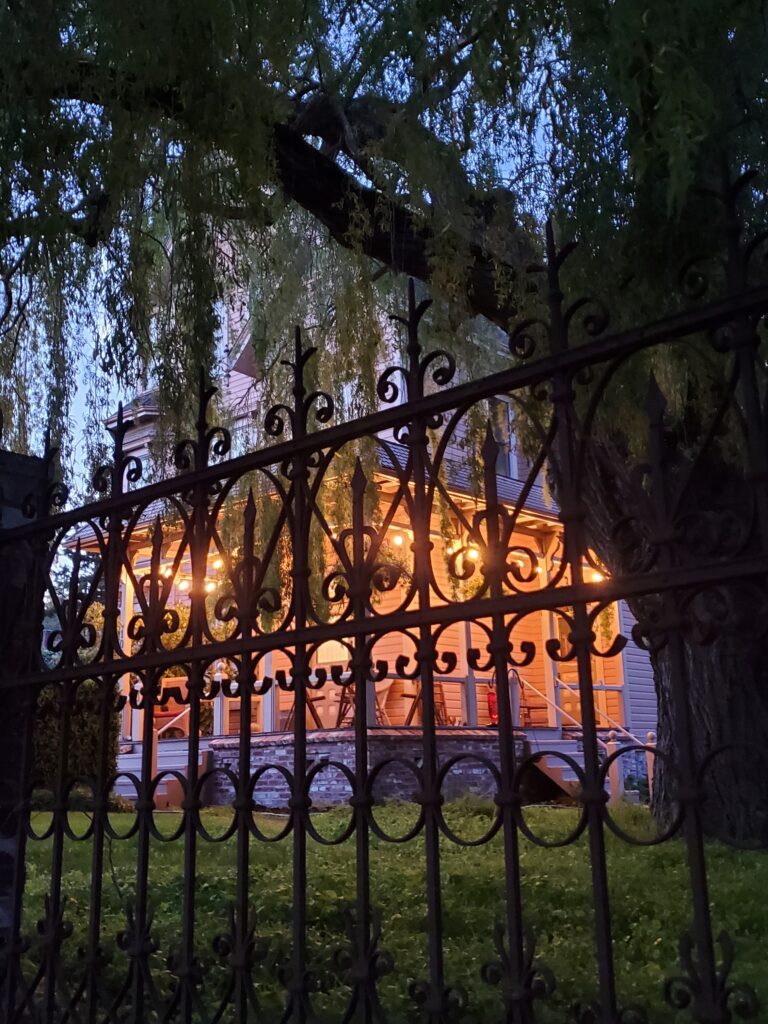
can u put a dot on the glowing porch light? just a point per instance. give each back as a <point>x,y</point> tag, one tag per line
<point>397,540</point>
<point>473,554</point>
<point>184,585</point>
<point>167,573</point>
<point>218,563</point>
<point>597,577</point>
<point>210,586</point>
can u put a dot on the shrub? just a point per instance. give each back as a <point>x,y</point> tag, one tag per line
<point>639,783</point>
<point>84,735</point>
<point>79,799</point>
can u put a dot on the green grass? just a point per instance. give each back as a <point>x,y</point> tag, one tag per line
<point>649,892</point>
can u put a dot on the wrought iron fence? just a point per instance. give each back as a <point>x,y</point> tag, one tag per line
<point>688,564</point>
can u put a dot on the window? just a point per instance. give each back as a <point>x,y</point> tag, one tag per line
<point>501,418</point>
<point>511,461</point>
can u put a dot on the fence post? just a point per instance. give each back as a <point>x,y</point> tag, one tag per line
<point>650,761</point>
<point>21,627</point>
<point>615,774</point>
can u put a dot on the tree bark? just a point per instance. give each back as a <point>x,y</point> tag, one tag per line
<point>723,686</point>
<point>726,690</point>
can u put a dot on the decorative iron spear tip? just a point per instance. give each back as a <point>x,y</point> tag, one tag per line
<point>359,479</point>
<point>551,247</point>
<point>491,447</point>
<point>118,433</point>
<point>202,401</point>
<point>50,450</point>
<point>74,578</point>
<point>250,506</point>
<point>411,297</point>
<point>297,347</point>
<point>555,257</point>
<point>157,544</point>
<point>655,401</point>
<point>249,522</point>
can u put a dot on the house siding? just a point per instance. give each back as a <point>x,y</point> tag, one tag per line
<point>641,706</point>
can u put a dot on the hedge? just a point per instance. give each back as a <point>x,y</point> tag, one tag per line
<point>85,727</point>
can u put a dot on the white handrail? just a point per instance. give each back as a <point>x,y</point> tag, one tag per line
<point>557,708</point>
<point>611,721</point>
<point>173,721</point>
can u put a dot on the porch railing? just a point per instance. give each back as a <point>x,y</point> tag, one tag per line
<point>612,723</point>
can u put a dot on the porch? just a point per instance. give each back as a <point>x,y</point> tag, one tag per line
<point>394,733</point>
<point>467,700</point>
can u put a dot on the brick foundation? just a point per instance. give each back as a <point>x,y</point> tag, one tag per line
<point>395,781</point>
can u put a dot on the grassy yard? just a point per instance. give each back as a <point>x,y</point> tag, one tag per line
<point>648,886</point>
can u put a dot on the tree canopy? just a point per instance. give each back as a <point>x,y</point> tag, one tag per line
<point>161,155</point>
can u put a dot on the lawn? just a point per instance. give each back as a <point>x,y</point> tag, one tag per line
<point>648,889</point>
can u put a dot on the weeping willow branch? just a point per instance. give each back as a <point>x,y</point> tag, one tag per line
<point>393,234</point>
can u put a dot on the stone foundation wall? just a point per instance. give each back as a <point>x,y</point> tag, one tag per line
<point>394,758</point>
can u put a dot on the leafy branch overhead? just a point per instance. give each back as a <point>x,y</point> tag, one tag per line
<point>160,157</point>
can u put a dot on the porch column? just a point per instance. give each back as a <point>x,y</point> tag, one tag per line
<point>21,630</point>
<point>219,708</point>
<point>548,630</point>
<point>126,612</point>
<point>269,701</point>
<point>469,689</point>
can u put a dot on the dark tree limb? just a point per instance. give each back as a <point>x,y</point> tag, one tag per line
<point>396,236</point>
<point>401,238</point>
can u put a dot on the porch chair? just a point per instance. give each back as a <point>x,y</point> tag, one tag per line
<point>347,705</point>
<point>441,713</point>
<point>312,698</point>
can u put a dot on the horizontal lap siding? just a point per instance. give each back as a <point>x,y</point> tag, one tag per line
<point>239,392</point>
<point>640,689</point>
<point>614,708</point>
<point>233,715</point>
<point>610,670</point>
<point>452,702</point>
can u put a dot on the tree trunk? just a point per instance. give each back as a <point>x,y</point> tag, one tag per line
<point>726,689</point>
<point>723,684</point>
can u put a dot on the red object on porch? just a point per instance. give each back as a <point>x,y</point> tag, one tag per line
<point>493,705</point>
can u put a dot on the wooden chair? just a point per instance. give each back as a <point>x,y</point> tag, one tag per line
<point>441,715</point>
<point>312,698</point>
<point>347,704</point>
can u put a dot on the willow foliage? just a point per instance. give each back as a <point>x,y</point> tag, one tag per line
<point>160,157</point>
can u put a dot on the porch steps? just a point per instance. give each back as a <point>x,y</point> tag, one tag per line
<point>558,771</point>
<point>171,756</point>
